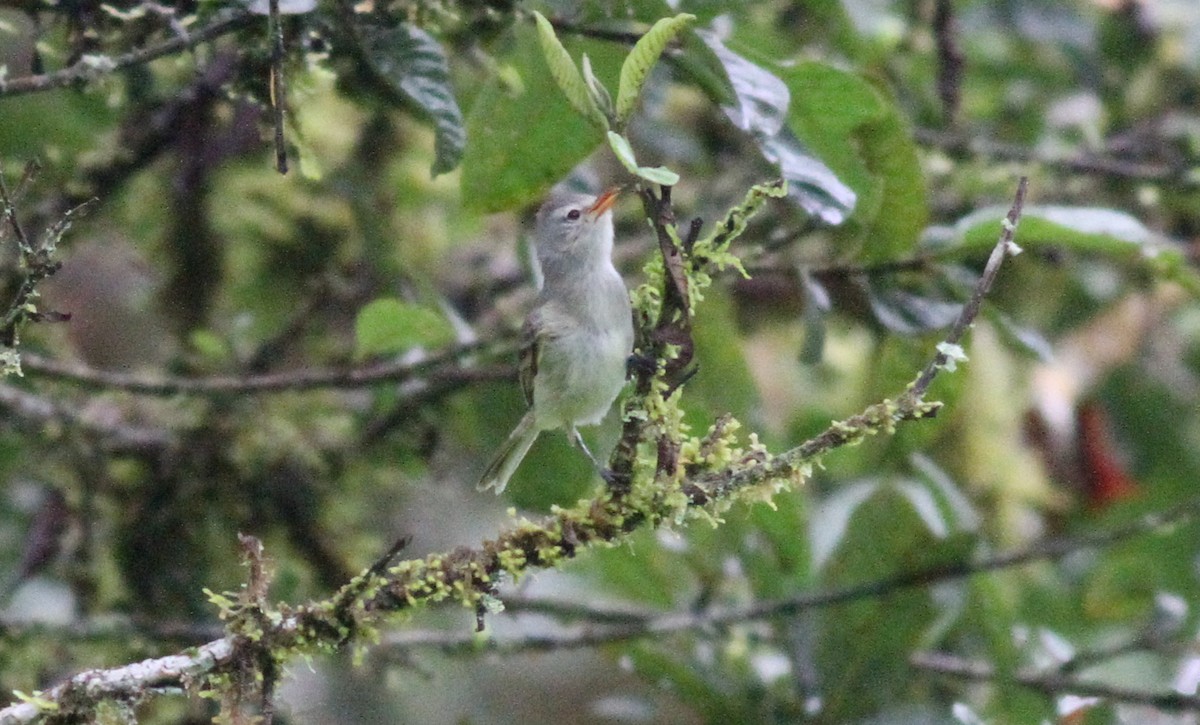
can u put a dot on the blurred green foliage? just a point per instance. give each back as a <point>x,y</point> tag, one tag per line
<point>1076,411</point>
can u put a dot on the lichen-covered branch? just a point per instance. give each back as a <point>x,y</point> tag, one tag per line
<point>671,477</point>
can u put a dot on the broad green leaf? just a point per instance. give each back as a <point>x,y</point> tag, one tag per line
<point>523,137</point>
<point>861,135</point>
<point>642,58</point>
<point>862,648</point>
<point>388,326</point>
<point>759,107</point>
<point>1092,230</point>
<point>565,74</point>
<point>1083,229</point>
<point>414,65</point>
<point>624,153</point>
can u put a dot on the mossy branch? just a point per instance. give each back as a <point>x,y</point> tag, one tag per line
<point>670,478</point>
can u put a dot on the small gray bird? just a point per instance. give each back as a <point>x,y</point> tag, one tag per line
<point>575,342</point>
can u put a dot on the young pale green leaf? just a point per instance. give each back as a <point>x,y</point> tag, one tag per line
<point>624,152</point>
<point>642,58</point>
<point>565,74</point>
<point>387,326</point>
<point>658,175</point>
<point>596,89</point>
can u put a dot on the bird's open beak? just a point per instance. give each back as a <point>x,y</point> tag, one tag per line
<point>603,202</point>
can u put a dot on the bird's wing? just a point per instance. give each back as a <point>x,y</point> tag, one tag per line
<point>528,365</point>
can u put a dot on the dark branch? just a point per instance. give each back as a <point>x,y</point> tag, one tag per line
<point>1051,683</point>
<point>88,69</point>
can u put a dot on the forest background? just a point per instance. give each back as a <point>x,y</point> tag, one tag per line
<point>244,410</point>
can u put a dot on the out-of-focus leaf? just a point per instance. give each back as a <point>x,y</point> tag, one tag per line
<point>724,383</point>
<point>522,140</point>
<point>863,647</point>
<point>414,65</point>
<point>690,684</point>
<point>862,137</point>
<point>832,518</point>
<point>759,107</point>
<point>209,345</point>
<point>388,326</point>
<point>642,58</point>
<point>1026,337</point>
<point>565,74</point>
<point>956,509</point>
<point>907,312</point>
<point>1094,230</point>
<point>1084,229</point>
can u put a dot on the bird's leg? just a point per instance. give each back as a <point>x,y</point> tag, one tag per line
<point>573,434</point>
<point>577,439</point>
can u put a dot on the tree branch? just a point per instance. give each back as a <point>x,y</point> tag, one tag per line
<point>1051,683</point>
<point>441,366</point>
<point>90,68</point>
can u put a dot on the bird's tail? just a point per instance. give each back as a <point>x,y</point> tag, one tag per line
<point>511,453</point>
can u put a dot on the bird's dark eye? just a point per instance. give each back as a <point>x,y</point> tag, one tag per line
<point>573,214</point>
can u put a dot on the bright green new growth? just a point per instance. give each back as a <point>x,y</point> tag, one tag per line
<point>624,153</point>
<point>565,74</point>
<point>643,57</point>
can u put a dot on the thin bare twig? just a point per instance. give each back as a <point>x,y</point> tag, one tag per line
<point>442,366</point>
<point>1086,163</point>
<point>278,84</point>
<point>1051,683</point>
<point>971,308</point>
<point>950,60</point>
<point>90,68</point>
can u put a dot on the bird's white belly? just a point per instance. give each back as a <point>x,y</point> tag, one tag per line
<point>591,366</point>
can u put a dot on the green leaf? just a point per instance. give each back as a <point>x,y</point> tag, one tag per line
<point>623,151</point>
<point>565,74</point>
<point>759,107</point>
<point>414,66</point>
<point>862,647</point>
<point>523,137</point>
<point>387,326</point>
<point>642,58</point>
<point>658,175</point>
<point>209,345</point>
<point>596,89</point>
<point>860,134</point>
<point>1079,228</point>
<point>1088,230</point>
